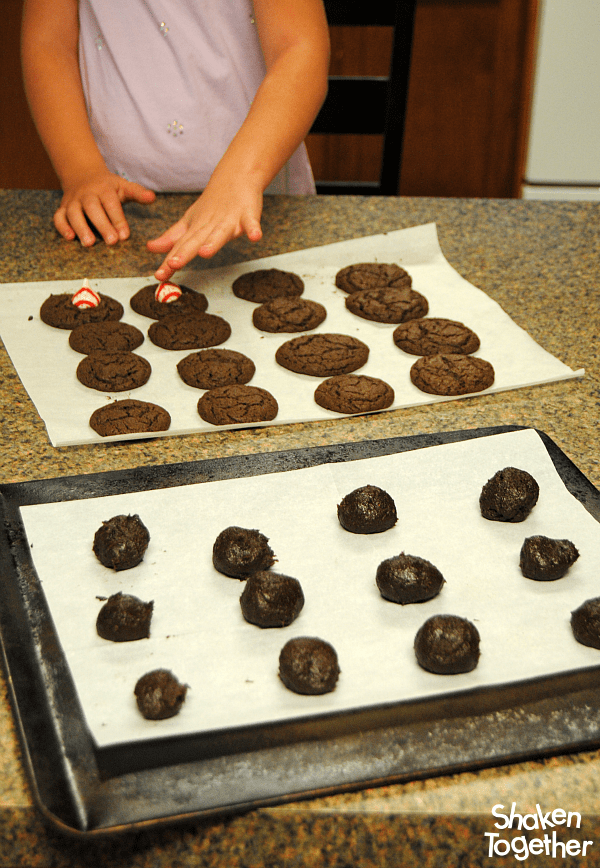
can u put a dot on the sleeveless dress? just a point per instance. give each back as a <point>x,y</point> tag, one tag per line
<point>167,85</point>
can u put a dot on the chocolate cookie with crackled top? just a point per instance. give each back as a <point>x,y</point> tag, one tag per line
<point>129,417</point>
<point>237,405</point>
<point>209,369</point>
<point>371,275</point>
<point>145,302</point>
<point>189,333</point>
<point>452,374</point>
<point>354,393</point>
<point>322,355</point>
<point>267,283</point>
<point>388,304</point>
<point>434,335</point>
<point>105,337</point>
<point>59,311</point>
<point>113,372</point>
<point>288,315</point>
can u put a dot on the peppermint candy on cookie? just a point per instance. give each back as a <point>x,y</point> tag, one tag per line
<point>86,297</point>
<point>167,292</point>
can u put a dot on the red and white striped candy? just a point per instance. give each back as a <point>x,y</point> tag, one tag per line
<point>86,297</point>
<point>167,292</point>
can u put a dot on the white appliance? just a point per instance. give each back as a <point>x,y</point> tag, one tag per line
<point>563,156</point>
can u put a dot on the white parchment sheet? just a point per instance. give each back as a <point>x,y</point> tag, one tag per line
<point>46,364</point>
<point>231,666</point>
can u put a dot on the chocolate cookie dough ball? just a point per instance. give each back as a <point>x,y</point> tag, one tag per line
<point>585,623</point>
<point>124,618</point>
<point>159,694</point>
<point>367,510</point>
<point>447,645</point>
<point>309,666</point>
<point>271,599</point>
<point>545,559</point>
<point>239,552</point>
<point>509,495</point>
<point>408,579</point>
<point>121,542</point>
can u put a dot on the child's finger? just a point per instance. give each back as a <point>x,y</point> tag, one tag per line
<point>252,228</point>
<point>95,211</point>
<point>62,225</point>
<point>111,205</point>
<point>75,218</point>
<point>180,255</point>
<point>139,193</point>
<point>165,242</point>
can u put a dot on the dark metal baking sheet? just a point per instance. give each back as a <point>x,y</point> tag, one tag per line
<point>85,791</point>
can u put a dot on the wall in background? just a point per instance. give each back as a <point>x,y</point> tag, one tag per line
<point>468,102</point>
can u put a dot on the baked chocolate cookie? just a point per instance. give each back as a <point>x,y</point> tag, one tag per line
<point>124,618</point>
<point>267,283</point>
<point>367,510</point>
<point>309,666</point>
<point>159,694</point>
<point>509,495</point>
<point>447,645</point>
<point>238,552</point>
<point>129,417</point>
<point>585,623</point>
<point>113,372</point>
<point>408,579</point>
<point>191,332</point>
<point>545,559</point>
<point>59,311</point>
<point>432,335</point>
<point>354,393</point>
<point>237,405</point>
<point>387,304</point>
<point>121,542</point>
<point>452,374</point>
<point>322,355</point>
<point>145,303</point>
<point>209,369</point>
<point>371,275</point>
<point>271,599</point>
<point>105,337</point>
<point>288,315</point>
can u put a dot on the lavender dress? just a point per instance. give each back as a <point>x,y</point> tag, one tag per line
<point>167,85</point>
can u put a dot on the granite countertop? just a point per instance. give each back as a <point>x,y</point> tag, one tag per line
<point>540,262</point>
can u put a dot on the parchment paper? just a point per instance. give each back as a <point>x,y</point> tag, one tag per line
<point>231,666</point>
<point>46,364</point>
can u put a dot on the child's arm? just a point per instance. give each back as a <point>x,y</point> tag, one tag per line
<point>295,41</point>
<point>53,85</point>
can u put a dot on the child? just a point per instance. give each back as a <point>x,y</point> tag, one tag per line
<point>136,96</point>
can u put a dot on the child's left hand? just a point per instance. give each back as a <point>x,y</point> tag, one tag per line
<point>215,218</point>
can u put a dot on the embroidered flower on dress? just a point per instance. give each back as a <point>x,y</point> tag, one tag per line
<point>175,128</point>
<point>163,28</point>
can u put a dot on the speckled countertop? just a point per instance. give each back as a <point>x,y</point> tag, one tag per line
<point>541,262</point>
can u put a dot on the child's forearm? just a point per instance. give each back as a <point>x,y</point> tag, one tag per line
<point>55,94</point>
<point>279,119</point>
<point>286,102</point>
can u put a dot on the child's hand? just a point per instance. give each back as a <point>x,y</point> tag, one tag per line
<point>98,199</point>
<point>218,216</point>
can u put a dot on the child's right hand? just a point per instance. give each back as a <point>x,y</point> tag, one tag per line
<point>98,199</point>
